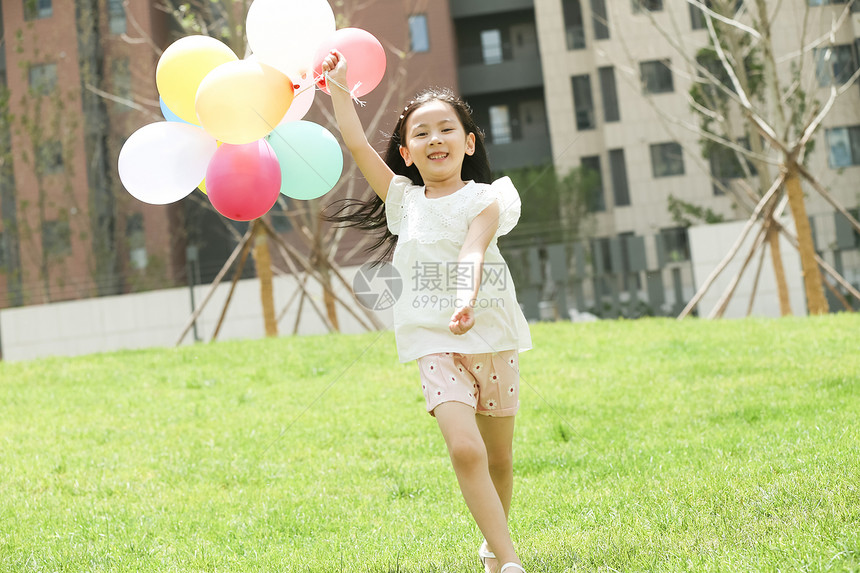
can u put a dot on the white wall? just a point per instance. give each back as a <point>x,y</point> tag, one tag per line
<point>156,318</point>
<point>709,244</point>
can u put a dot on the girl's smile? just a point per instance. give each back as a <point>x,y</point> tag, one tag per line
<point>436,143</point>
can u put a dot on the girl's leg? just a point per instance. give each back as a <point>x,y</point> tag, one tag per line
<point>469,458</point>
<point>498,436</point>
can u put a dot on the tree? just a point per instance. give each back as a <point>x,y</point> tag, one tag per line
<point>555,209</point>
<point>742,79</point>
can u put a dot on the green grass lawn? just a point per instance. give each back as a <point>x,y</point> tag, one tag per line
<point>650,445</point>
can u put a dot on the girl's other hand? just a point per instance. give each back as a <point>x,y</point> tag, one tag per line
<point>462,320</point>
<point>334,65</point>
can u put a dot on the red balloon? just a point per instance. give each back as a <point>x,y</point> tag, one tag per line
<point>364,54</point>
<point>244,181</point>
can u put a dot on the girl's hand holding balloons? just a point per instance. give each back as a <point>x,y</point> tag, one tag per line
<point>334,67</point>
<point>366,54</point>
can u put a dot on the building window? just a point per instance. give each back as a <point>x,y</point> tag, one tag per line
<point>583,103</point>
<point>2,250</point>
<point>49,158</point>
<point>725,165</point>
<point>843,227</point>
<point>136,241</point>
<point>600,18</point>
<point>116,17</point>
<point>843,144</point>
<point>37,9</point>
<point>601,255</point>
<point>712,64</point>
<point>121,78</point>
<point>656,77</point>
<point>419,36</point>
<point>573,24</point>
<point>834,65</point>
<point>491,47</point>
<point>593,179</point>
<point>500,124</point>
<point>43,78</point>
<point>667,159</point>
<point>609,93</point>
<point>631,258</point>
<point>676,244</point>
<point>697,17</point>
<point>618,172</point>
<point>56,238</point>
<point>649,5</point>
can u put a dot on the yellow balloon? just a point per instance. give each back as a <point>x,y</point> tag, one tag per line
<point>240,102</point>
<point>182,67</point>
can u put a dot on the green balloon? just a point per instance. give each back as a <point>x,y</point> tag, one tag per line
<point>310,157</point>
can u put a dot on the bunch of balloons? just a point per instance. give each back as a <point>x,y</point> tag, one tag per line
<point>234,127</point>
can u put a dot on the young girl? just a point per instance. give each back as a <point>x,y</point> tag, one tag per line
<point>458,315</point>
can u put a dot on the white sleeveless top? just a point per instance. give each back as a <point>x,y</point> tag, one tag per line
<point>430,235</point>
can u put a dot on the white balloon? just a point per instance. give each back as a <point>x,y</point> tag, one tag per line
<point>163,162</point>
<point>302,101</point>
<point>285,33</point>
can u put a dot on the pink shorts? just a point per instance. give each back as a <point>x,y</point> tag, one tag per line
<point>490,382</point>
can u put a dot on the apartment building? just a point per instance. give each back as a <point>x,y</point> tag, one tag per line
<point>615,79</point>
<point>73,89</point>
<point>617,91</point>
<point>599,84</point>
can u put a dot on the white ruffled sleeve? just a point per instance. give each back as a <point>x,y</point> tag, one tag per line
<point>503,191</point>
<point>395,206</point>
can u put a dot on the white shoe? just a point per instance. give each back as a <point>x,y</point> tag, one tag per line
<point>484,553</point>
<point>511,566</point>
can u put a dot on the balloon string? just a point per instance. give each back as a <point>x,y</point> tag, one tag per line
<point>351,92</point>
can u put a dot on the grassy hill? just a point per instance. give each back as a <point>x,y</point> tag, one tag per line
<point>649,445</point>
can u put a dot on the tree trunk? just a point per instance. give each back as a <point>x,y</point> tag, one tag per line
<point>779,271</point>
<point>329,298</point>
<point>319,257</point>
<point>763,170</point>
<point>815,301</point>
<point>263,262</point>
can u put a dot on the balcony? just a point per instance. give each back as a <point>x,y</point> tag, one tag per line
<point>521,73</point>
<point>467,8</point>
<point>520,153</point>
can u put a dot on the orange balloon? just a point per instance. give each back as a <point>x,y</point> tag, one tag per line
<point>243,101</point>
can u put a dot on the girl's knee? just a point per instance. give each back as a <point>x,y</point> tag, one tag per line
<point>465,452</point>
<point>500,459</point>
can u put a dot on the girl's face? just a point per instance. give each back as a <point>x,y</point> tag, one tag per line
<point>436,142</point>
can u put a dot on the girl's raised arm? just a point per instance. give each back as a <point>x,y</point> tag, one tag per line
<point>374,169</point>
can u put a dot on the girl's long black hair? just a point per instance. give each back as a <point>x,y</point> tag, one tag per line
<point>370,215</point>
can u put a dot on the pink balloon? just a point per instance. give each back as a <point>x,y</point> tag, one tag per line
<point>364,54</point>
<point>244,181</point>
